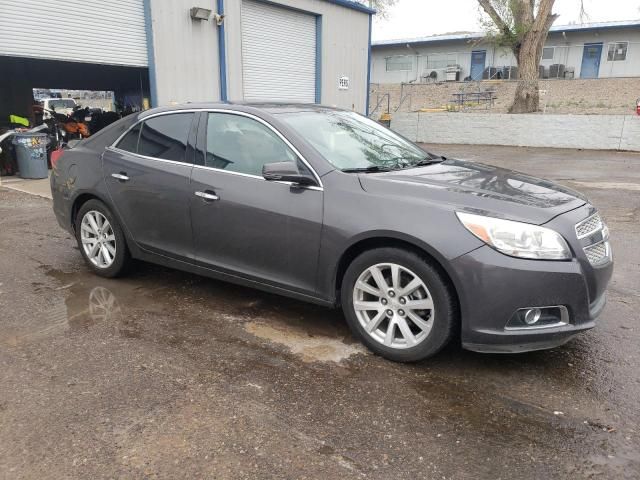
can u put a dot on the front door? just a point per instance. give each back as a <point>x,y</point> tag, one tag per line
<point>147,175</point>
<point>243,224</point>
<point>591,55</point>
<point>478,58</point>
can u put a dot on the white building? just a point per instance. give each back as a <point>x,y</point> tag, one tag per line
<point>165,51</point>
<point>596,50</point>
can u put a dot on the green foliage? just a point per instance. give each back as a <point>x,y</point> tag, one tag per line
<point>516,23</point>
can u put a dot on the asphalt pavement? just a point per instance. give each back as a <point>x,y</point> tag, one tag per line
<point>164,374</point>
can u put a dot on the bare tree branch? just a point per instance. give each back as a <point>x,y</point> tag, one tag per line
<point>493,14</point>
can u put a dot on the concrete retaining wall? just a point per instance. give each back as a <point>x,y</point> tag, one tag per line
<point>597,132</point>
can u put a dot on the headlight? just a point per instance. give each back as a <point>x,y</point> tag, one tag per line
<point>517,239</point>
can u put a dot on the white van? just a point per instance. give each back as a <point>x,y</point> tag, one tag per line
<point>60,105</point>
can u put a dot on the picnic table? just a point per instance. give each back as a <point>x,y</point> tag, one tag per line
<point>486,98</point>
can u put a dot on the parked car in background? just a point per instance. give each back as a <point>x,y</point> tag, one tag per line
<point>330,207</point>
<point>64,106</point>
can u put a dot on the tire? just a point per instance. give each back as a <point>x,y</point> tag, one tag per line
<point>430,328</point>
<point>114,237</point>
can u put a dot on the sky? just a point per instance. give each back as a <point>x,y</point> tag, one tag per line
<point>421,18</point>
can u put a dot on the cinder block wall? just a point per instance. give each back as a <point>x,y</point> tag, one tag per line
<point>598,132</point>
<point>609,96</point>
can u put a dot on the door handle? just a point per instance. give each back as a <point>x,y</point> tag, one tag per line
<point>208,196</point>
<point>120,176</point>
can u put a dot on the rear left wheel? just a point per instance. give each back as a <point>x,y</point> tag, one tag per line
<point>101,240</point>
<point>398,304</point>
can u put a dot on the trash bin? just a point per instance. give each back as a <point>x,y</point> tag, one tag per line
<point>31,154</point>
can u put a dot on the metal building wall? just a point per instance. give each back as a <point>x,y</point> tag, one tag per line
<point>344,41</point>
<point>183,63</point>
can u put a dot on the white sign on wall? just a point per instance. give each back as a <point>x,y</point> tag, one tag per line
<point>343,83</point>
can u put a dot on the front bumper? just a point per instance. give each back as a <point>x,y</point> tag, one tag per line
<point>493,286</point>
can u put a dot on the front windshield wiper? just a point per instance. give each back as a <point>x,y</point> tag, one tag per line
<point>426,161</point>
<point>369,169</point>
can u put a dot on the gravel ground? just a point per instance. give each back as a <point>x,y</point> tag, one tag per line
<point>164,374</point>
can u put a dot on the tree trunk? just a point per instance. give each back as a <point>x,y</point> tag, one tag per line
<point>527,97</point>
<point>528,53</point>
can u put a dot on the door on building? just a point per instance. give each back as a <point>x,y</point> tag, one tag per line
<point>278,53</point>
<point>478,58</point>
<point>234,206</point>
<point>591,56</point>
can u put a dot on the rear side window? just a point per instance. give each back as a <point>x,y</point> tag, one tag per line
<point>165,137</point>
<point>129,142</point>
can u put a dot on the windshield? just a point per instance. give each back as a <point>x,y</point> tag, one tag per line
<point>350,141</point>
<point>62,103</point>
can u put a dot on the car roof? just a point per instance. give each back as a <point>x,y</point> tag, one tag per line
<point>268,107</point>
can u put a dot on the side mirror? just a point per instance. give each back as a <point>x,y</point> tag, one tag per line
<point>286,172</point>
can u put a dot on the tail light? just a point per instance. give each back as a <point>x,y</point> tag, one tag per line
<point>638,106</point>
<point>55,156</point>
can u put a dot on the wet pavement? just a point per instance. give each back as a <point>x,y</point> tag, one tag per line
<point>164,374</point>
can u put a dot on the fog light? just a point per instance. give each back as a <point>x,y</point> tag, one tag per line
<point>532,316</point>
<point>538,317</point>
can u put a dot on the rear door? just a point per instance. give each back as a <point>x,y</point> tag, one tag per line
<point>242,224</point>
<point>148,177</point>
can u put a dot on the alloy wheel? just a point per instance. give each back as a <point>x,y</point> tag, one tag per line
<point>98,239</point>
<point>393,305</point>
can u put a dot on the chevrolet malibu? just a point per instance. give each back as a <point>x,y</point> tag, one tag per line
<point>327,206</point>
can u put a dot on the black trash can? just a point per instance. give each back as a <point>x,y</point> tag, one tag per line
<point>31,154</point>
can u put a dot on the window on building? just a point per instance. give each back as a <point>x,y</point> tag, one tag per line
<point>548,52</point>
<point>243,145</point>
<point>397,63</point>
<point>617,51</point>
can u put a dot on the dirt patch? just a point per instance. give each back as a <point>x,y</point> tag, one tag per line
<point>310,348</point>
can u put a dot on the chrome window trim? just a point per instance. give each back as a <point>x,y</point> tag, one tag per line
<point>176,162</point>
<point>586,220</point>
<point>258,177</point>
<point>227,111</point>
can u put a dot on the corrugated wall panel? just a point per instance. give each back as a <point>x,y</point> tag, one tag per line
<point>110,32</point>
<point>278,53</point>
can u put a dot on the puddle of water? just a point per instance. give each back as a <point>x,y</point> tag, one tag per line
<point>310,348</point>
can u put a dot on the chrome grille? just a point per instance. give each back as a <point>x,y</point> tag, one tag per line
<point>598,253</point>
<point>589,226</point>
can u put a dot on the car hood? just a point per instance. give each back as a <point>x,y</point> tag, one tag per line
<point>480,188</point>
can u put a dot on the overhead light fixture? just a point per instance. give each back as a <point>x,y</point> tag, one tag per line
<point>198,13</point>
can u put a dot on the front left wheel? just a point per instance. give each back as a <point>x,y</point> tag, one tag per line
<point>399,304</point>
<point>101,240</point>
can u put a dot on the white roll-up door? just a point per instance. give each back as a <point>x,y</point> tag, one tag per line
<point>278,53</point>
<point>106,32</point>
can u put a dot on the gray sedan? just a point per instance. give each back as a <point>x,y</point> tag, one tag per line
<point>329,207</point>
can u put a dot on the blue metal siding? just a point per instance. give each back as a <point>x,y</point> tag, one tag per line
<point>366,108</point>
<point>150,53</point>
<point>353,6</point>
<point>319,59</point>
<point>222,55</point>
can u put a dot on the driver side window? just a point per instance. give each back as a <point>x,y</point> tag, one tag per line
<point>243,145</point>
